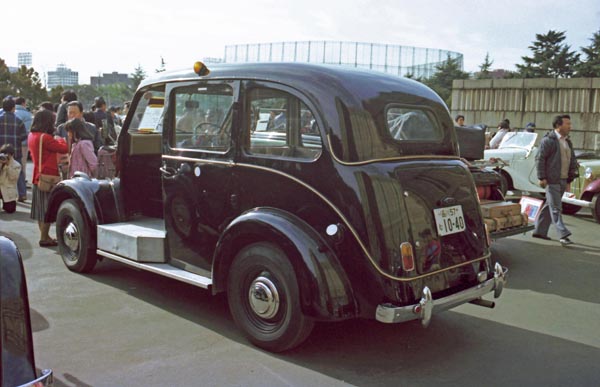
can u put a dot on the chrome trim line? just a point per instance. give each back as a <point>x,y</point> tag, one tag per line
<point>163,269</point>
<point>199,161</point>
<point>577,202</point>
<point>399,158</point>
<point>338,212</point>
<point>388,313</point>
<point>47,379</point>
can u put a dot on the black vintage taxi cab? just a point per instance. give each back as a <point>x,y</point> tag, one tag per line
<point>305,192</point>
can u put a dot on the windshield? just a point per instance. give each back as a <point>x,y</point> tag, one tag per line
<point>523,140</point>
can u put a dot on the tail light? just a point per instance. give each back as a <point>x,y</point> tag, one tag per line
<point>408,259</point>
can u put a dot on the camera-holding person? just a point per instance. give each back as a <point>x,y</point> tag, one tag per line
<point>9,175</point>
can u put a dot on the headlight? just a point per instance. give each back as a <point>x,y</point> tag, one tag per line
<point>588,173</point>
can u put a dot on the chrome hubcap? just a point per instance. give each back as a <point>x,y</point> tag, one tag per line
<point>71,237</point>
<point>264,297</point>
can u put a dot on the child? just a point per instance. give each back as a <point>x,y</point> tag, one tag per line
<point>9,174</point>
<point>83,158</point>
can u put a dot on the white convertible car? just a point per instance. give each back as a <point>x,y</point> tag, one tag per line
<point>518,151</point>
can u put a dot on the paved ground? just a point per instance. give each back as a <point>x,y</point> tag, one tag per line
<point>121,327</point>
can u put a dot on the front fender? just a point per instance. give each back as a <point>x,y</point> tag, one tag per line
<point>592,188</point>
<point>99,198</point>
<point>325,291</point>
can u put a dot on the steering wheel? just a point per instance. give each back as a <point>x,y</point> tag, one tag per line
<point>212,128</point>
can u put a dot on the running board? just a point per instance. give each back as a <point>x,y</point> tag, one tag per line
<point>163,269</point>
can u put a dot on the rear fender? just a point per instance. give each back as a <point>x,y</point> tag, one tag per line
<point>325,291</point>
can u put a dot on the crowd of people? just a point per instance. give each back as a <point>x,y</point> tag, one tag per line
<point>61,140</point>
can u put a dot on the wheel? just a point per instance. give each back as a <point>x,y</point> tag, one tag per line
<point>73,232</point>
<point>264,298</point>
<point>180,212</point>
<point>570,209</point>
<point>596,207</point>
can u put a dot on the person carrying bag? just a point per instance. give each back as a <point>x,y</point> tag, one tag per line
<point>45,182</point>
<point>43,148</point>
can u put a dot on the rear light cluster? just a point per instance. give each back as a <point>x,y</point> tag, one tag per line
<point>408,258</point>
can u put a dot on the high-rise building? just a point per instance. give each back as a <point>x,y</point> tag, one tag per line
<point>24,59</point>
<point>110,79</point>
<point>62,76</point>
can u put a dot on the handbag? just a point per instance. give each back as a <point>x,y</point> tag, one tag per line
<point>45,182</point>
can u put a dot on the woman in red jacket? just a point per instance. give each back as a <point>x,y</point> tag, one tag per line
<point>42,134</point>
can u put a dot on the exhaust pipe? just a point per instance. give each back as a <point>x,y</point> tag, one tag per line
<point>482,302</point>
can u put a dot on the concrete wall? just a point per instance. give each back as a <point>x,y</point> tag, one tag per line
<point>488,101</point>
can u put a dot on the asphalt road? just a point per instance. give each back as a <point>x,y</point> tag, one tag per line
<point>122,327</point>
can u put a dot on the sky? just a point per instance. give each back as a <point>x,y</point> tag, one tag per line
<point>95,37</point>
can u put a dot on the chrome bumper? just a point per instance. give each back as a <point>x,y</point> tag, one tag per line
<point>423,311</point>
<point>577,202</point>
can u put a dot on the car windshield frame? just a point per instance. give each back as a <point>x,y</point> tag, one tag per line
<point>518,140</point>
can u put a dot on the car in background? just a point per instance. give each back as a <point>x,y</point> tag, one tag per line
<point>518,152</point>
<point>17,367</point>
<point>585,190</point>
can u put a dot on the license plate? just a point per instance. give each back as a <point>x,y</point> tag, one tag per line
<point>449,220</point>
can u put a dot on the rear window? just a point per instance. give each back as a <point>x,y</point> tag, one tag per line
<point>412,124</point>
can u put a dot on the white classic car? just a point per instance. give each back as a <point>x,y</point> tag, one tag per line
<point>517,153</point>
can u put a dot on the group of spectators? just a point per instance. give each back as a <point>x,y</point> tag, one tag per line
<point>61,141</point>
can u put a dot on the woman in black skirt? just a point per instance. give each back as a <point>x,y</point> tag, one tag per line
<point>42,135</point>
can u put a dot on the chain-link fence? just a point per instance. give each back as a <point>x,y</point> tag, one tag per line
<point>392,59</point>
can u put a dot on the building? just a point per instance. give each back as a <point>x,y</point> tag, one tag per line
<point>393,59</point>
<point>24,59</point>
<point>62,76</point>
<point>110,79</point>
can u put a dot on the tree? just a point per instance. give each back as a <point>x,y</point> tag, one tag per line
<point>137,77</point>
<point>5,80</point>
<point>441,81</point>
<point>116,94</point>
<point>26,82</point>
<point>590,67</point>
<point>485,67</point>
<point>551,57</point>
<point>55,94</point>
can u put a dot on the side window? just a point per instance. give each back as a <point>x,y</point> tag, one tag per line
<point>203,117</point>
<point>281,125</point>
<point>149,111</point>
<point>412,124</point>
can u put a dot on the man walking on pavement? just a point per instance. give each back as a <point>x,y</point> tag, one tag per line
<point>13,132</point>
<point>556,168</point>
<point>25,116</point>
